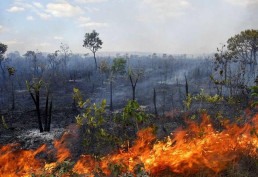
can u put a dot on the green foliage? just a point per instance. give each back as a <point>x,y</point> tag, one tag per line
<point>11,71</point>
<point>240,54</point>
<point>118,66</point>
<point>216,81</point>
<point>233,100</point>
<point>3,49</point>
<point>188,101</point>
<point>254,90</point>
<point>34,88</point>
<point>92,41</point>
<point>63,168</point>
<point>116,169</point>
<point>140,171</point>
<point>92,119</point>
<point>104,67</point>
<point>35,85</point>
<point>254,94</point>
<point>202,96</point>
<point>4,123</point>
<point>133,111</point>
<point>77,96</point>
<point>93,114</point>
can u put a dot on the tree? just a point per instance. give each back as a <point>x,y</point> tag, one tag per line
<point>3,49</point>
<point>54,62</point>
<point>244,47</point>
<point>134,76</point>
<point>236,62</point>
<point>93,43</point>
<point>118,66</point>
<point>65,54</point>
<point>116,69</point>
<point>34,59</point>
<point>11,72</point>
<point>34,87</point>
<point>222,68</point>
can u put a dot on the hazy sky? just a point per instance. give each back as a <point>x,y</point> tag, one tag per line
<point>162,26</point>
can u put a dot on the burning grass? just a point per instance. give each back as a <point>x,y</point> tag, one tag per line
<point>198,149</point>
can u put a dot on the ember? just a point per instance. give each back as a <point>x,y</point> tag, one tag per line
<point>187,151</point>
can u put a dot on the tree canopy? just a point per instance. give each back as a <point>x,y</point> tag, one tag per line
<point>93,43</point>
<point>3,49</point>
<point>118,66</point>
<point>236,62</point>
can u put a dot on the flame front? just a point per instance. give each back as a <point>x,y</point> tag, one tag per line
<point>199,147</point>
<point>15,162</point>
<point>187,151</point>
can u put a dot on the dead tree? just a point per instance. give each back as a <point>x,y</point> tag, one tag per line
<point>34,90</point>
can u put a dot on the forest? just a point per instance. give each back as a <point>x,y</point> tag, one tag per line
<point>130,114</point>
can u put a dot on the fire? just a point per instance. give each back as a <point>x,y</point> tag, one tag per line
<point>16,162</point>
<point>62,152</point>
<point>186,151</point>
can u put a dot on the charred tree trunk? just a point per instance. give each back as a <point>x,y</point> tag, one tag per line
<point>46,113</point>
<point>13,100</point>
<point>133,87</point>
<point>36,101</point>
<point>13,96</point>
<point>133,84</point>
<point>186,87</point>
<point>49,117</point>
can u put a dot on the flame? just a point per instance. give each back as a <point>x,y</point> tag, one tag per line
<point>186,151</point>
<point>62,152</point>
<point>16,162</point>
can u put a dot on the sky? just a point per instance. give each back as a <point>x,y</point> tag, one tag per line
<point>160,26</point>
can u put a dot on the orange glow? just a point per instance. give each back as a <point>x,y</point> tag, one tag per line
<point>186,151</point>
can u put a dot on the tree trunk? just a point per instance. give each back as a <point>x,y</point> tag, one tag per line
<point>133,87</point>
<point>38,111</point>
<point>46,113</point>
<point>133,84</point>
<point>94,54</point>
<point>3,73</point>
<point>13,96</point>
<point>49,117</point>
<point>186,87</point>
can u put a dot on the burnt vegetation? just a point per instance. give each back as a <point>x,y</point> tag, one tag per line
<point>112,97</point>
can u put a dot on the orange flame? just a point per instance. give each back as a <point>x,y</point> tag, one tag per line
<point>187,151</point>
<point>197,148</point>
<point>62,152</point>
<point>15,162</point>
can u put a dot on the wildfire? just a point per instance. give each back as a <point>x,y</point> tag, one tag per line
<point>187,151</point>
<point>16,162</point>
